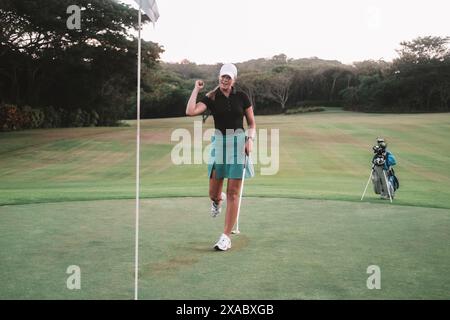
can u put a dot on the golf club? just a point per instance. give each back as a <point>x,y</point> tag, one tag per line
<point>236,231</point>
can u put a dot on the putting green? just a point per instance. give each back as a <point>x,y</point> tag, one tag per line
<point>288,249</point>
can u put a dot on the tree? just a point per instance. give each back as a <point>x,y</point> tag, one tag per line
<point>280,82</point>
<point>417,81</point>
<point>280,59</point>
<point>371,67</point>
<point>43,63</point>
<point>424,66</point>
<point>248,82</point>
<point>424,49</point>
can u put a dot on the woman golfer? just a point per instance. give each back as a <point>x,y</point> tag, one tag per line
<point>230,146</point>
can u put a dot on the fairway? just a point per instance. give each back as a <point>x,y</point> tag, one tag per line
<point>322,156</point>
<point>66,198</point>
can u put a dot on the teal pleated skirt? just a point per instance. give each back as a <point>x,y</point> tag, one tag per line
<point>227,157</point>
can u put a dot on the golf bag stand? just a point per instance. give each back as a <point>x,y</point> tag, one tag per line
<point>367,184</point>
<point>388,187</point>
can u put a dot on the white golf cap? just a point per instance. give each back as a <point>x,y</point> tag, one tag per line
<point>229,69</point>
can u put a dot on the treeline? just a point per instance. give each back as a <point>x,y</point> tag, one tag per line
<point>417,81</point>
<point>51,76</point>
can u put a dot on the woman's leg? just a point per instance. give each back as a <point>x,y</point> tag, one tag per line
<point>233,191</point>
<point>215,188</point>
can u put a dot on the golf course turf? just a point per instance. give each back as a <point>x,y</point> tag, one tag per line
<point>66,198</point>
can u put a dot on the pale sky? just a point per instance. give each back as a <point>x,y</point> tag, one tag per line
<point>213,31</point>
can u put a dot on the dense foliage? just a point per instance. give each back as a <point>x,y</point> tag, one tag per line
<point>75,77</point>
<point>51,76</point>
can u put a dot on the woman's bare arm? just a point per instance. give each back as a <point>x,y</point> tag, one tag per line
<point>193,107</point>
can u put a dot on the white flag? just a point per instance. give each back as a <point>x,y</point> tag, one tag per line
<point>150,8</point>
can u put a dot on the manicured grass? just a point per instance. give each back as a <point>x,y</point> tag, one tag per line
<point>322,156</point>
<point>66,198</point>
<point>288,249</point>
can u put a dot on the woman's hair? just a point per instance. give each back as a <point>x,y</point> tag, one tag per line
<point>212,94</point>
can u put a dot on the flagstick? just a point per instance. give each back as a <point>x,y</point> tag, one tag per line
<point>138,142</point>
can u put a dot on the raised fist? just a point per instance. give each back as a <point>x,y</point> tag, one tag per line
<point>199,84</point>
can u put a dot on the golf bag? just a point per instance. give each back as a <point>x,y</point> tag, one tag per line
<point>393,180</point>
<point>384,181</point>
<point>380,184</point>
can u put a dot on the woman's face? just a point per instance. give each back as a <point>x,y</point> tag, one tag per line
<point>225,82</point>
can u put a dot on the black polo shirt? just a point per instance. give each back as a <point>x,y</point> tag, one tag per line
<point>228,112</point>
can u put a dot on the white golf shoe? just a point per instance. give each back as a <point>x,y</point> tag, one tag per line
<point>216,208</point>
<point>223,244</point>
